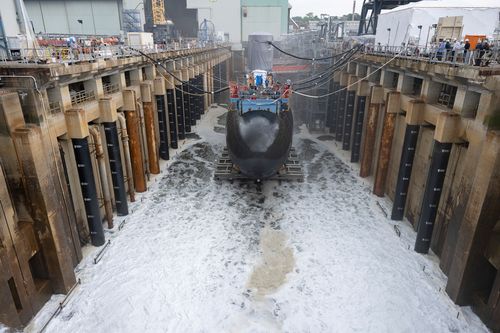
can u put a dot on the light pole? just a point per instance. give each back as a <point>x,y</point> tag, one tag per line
<point>428,33</point>
<point>389,37</point>
<point>419,34</point>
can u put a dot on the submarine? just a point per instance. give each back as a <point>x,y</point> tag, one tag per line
<point>259,126</point>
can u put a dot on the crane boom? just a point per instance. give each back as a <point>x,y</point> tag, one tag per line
<point>158,9</point>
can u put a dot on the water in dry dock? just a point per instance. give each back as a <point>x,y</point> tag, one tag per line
<point>198,255</point>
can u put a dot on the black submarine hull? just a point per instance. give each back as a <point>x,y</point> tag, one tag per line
<point>259,141</point>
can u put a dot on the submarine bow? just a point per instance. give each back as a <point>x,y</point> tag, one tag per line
<point>259,141</point>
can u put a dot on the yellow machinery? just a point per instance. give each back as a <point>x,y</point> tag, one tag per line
<point>158,9</point>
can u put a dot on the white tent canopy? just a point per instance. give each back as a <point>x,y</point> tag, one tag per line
<point>480,17</point>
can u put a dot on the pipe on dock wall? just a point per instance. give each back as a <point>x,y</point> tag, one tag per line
<point>349,111</point>
<point>126,154</point>
<point>358,128</point>
<point>89,191</point>
<point>115,164</point>
<point>142,138</point>
<point>135,150</point>
<point>404,173</point>
<point>99,153</point>
<point>162,124</point>
<point>432,194</point>
<point>149,124</point>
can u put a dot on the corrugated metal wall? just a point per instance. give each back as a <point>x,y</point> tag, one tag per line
<point>100,17</point>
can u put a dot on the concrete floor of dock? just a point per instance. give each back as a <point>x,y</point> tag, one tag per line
<point>198,255</point>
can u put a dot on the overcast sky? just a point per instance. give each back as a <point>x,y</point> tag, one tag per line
<point>331,7</point>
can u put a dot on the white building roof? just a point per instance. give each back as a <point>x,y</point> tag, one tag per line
<point>447,4</point>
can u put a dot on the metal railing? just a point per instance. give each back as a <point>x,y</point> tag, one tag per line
<point>462,57</point>
<point>77,53</point>
<point>110,88</point>
<point>82,96</point>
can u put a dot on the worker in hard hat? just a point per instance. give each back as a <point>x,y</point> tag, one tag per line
<point>467,52</point>
<point>478,53</point>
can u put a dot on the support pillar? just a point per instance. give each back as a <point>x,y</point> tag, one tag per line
<point>149,124</point>
<point>363,92</point>
<point>108,117</point>
<point>339,133</point>
<point>186,100</point>
<point>404,174</point>
<point>333,107</point>
<point>432,194</point>
<point>79,132</point>
<point>392,108</point>
<point>201,99</point>
<point>159,87</point>
<point>115,164</point>
<point>414,114</point>
<point>376,99</point>
<point>206,101</point>
<point>349,111</point>
<point>192,98</point>
<point>132,118</point>
<point>179,103</point>
<point>89,191</point>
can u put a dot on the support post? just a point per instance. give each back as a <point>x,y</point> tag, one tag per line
<point>109,117</point>
<point>186,100</point>
<point>115,164</point>
<point>376,99</point>
<point>149,124</point>
<point>135,143</point>
<point>333,107</point>
<point>392,108</point>
<point>159,86</point>
<point>89,191</point>
<point>363,92</point>
<point>432,194</point>
<point>179,103</point>
<point>339,130</point>
<point>414,116</point>
<point>349,111</point>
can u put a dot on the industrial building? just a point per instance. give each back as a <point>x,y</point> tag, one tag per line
<point>73,17</point>
<point>238,19</point>
<point>109,204</point>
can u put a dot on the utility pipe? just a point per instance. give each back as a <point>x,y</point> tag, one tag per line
<point>144,147</point>
<point>99,153</point>
<point>126,154</point>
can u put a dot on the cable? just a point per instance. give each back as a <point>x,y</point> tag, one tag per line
<point>335,68</point>
<point>350,85</point>
<point>176,78</point>
<point>303,58</point>
<point>364,78</point>
<point>327,80</point>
